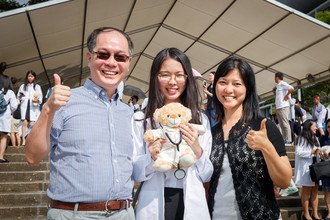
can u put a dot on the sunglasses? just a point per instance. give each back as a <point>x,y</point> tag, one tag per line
<point>105,56</point>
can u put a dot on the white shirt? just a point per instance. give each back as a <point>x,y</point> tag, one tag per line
<point>5,118</point>
<point>303,158</point>
<point>151,198</point>
<point>316,111</point>
<point>282,89</point>
<point>323,116</point>
<point>134,107</point>
<point>225,204</point>
<point>28,95</point>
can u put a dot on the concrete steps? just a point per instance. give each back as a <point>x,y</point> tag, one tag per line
<point>23,190</point>
<point>23,187</point>
<point>291,205</point>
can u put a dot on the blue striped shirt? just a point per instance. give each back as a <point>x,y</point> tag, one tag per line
<point>91,148</point>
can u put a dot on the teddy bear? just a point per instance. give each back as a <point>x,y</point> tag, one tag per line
<point>175,152</point>
<point>35,99</point>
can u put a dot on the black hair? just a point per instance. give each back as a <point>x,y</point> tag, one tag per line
<point>135,97</point>
<point>91,41</point>
<point>5,84</point>
<point>280,75</point>
<point>306,135</point>
<point>26,82</point>
<point>3,66</point>
<point>250,103</point>
<point>326,130</point>
<point>189,96</point>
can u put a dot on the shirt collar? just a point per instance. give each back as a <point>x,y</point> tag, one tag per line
<point>99,91</point>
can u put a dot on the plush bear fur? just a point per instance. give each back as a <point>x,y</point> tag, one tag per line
<point>169,117</point>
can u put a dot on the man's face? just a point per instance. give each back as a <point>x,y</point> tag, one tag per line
<point>107,71</point>
<point>316,100</point>
<point>277,80</point>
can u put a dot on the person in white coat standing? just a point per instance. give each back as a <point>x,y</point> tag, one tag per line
<point>5,117</point>
<point>165,196</point>
<point>30,95</point>
<point>307,147</point>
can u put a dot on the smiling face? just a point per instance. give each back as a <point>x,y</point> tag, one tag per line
<point>175,86</point>
<point>231,91</point>
<point>108,73</point>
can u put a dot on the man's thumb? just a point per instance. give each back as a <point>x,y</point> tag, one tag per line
<point>263,124</point>
<point>57,79</point>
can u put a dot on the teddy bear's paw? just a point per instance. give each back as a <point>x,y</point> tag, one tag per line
<point>148,136</point>
<point>186,160</point>
<point>162,165</point>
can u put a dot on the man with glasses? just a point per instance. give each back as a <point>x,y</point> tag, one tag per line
<point>87,132</point>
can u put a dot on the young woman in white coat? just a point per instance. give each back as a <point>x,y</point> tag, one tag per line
<point>5,118</point>
<point>30,95</point>
<point>307,146</point>
<point>163,195</point>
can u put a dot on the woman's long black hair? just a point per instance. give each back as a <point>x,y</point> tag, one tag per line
<point>5,84</point>
<point>26,82</point>
<point>250,103</point>
<point>189,98</point>
<point>306,136</point>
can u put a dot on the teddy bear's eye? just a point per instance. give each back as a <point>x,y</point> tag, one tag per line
<point>179,115</point>
<point>168,116</point>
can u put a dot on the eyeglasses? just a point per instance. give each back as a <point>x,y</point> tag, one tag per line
<point>166,77</point>
<point>105,56</point>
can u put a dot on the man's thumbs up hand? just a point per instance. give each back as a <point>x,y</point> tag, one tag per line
<point>60,94</point>
<point>57,79</point>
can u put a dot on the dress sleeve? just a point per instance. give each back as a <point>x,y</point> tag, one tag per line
<point>203,165</point>
<point>142,162</point>
<point>275,137</point>
<point>303,150</point>
<point>13,101</point>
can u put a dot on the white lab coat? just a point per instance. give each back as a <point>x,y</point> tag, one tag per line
<point>5,118</point>
<point>28,95</point>
<point>151,197</point>
<point>303,158</point>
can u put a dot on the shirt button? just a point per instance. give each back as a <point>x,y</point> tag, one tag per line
<point>117,180</point>
<point>115,161</point>
<point>95,97</point>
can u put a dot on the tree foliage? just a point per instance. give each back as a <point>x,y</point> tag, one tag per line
<point>323,16</point>
<point>7,5</point>
<point>322,89</point>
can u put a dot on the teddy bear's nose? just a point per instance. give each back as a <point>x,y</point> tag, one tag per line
<point>173,116</point>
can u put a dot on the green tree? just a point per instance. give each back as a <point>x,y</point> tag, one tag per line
<point>323,16</point>
<point>33,2</point>
<point>322,89</point>
<point>6,5</point>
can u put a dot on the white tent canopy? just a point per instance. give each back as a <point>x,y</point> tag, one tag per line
<point>51,37</point>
